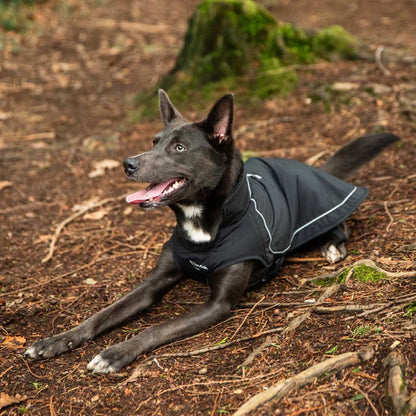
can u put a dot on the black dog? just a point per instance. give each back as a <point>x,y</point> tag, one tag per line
<point>235,224</point>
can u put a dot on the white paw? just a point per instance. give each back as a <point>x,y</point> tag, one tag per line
<point>31,352</point>
<point>100,365</point>
<point>332,253</point>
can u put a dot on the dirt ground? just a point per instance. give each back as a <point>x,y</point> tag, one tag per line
<point>66,90</point>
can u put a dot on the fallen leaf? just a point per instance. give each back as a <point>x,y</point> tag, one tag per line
<point>96,215</point>
<point>13,343</point>
<point>43,238</point>
<point>5,184</point>
<point>6,400</point>
<point>101,166</point>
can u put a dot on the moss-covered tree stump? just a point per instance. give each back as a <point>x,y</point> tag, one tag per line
<point>234,44</point>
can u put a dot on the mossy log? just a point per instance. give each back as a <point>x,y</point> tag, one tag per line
<point>237,44</point>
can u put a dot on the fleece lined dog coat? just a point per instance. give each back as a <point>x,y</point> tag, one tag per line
<point>277,206</point>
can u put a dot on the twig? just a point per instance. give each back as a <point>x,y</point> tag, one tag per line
<point>126,25</point>
<point>48,135</point>
<point>61,276</point>
<point>398,301</point>
<point>386,208</point>
<point>30,371</point>
<point>283,388</point>
<point>344,308</point>
<point>356,127</point>
<point>304,259</point>
<point>299,319</point>
<point>313,159</point>
<point>293,325</point>
<point>34,205</point>
<point>396,388</point>
<point>379,64</point>
<point>139,369</point>
<point>250,358</point>
<point>245,318</point>
<point>208,383</point>
<point>217,397</point>
<point>366,397</point>
<point>51,407</point>
<point>77,214</point>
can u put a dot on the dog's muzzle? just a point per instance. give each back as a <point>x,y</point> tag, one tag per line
<point>131,165</point>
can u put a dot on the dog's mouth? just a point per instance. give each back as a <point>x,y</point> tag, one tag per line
<point>157,193</point>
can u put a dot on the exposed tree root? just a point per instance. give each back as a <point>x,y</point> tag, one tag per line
<point>293,325</point>
<point>284,387</point>
<point>396,387</point>
<point>365,262</point>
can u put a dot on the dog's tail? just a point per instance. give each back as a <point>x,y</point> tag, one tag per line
<point>355,154</point>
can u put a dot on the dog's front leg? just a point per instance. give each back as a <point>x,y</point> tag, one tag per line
<point>162,279</point>
<point>226,288</point>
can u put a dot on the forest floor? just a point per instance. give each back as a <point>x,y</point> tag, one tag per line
<point>66,89</point>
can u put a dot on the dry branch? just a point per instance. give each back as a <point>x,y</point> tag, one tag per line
<point>293,325</point>
<point>345,308</point>
<point>126,25</point>
<point>77,214</point>
<point>284,387</point>
<point>296,322</point>
<point>396,387</point>
<point>412,405</point>
<point>379,64</point>
<point>137,372</point>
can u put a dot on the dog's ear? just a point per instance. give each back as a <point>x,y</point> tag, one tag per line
<point>220,119</point>
<point>167,110</point>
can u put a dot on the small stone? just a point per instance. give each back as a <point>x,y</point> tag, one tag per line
<point>238,391</point>
<point>203,371</point>
<point>90,281</point>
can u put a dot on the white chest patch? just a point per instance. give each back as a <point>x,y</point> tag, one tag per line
<point>191,211</point>
<point>196,234</point>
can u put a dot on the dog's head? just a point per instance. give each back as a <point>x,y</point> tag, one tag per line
<point>187,159</point>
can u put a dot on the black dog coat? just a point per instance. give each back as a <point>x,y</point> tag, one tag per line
<point>277,206</point>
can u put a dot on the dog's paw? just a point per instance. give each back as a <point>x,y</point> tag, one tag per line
<point>111,360</point>
<point>334,253</point>
<point>58,344</point>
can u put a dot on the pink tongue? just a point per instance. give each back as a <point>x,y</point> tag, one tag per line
<point>153,191</point>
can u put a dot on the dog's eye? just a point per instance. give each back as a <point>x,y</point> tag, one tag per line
<point>179,147</point>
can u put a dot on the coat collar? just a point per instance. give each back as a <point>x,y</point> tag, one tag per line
<point>237,203</point>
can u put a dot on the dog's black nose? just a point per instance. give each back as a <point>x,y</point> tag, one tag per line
<point>131,164</point>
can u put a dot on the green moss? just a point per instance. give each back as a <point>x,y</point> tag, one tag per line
<point>15,14</point>
<point>365,273</point>
<point>343,276</point>
<point>411,310</point>
<point>329,281</point>
<point>238,44</point>
<point>335,42</point>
